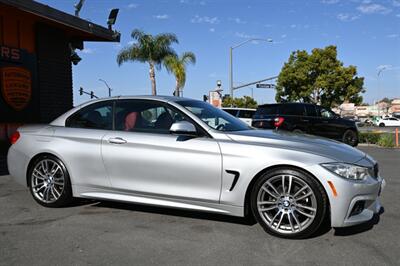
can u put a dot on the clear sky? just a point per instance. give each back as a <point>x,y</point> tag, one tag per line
<point>366,32</point>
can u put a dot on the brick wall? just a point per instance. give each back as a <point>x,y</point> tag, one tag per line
<point>54,72</point>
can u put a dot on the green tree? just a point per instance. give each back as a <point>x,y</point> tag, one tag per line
<point>149,49</point>
<point>320,78</point>
<point>177,66</point>
<point>243,102</point>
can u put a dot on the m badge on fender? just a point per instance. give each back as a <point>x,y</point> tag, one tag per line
<point>16,87</point>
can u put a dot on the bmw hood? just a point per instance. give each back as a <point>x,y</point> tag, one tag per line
<point>301,142</point>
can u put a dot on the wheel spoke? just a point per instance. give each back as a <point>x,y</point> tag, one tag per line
<point>53,168</point>
<point>305,214</point>
<point>304,196</point>
<point>273,219</point>
<point>265,202</point>
<point>58,193</point>
<point>58,183</point>
<point>283,184</point>
<point>290,222</point>
<point>273,188</point>
<point>37,190</point>
<point>299,191</point>
<point>297,221</point>
<point>306,207</point>
<point>52,192</point>
<point>268,208</point>
<point>39,173</point>
<point>270,193</point>
<point>280,221</point>
<point>290,184</point>
<point>57,169</point>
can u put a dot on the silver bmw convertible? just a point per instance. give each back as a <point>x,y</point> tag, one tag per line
<point>184,153</point>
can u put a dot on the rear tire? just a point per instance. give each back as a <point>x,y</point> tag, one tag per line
<point>289,203</point>
<point>49,182</point>
<point>298,131</point>
<point>350,137</point>
<point>381,125</point>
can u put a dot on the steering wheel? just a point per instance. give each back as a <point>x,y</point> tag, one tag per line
<point>220,127</point>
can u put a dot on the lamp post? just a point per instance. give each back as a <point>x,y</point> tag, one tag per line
<point>108,87</point>
<point>379,85</point>
<point>231,60</point>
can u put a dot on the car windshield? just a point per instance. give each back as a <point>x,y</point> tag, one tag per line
<point>214,117</point>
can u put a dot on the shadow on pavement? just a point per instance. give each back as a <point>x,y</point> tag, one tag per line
<point>175,212</point>
<point>357,229</point>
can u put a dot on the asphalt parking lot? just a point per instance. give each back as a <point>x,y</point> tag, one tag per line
<point>104,233</point>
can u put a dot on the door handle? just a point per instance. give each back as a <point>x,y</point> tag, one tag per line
<point>117,140</point>
<point>305,120</point>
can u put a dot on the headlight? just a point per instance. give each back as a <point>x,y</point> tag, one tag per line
<point>349,171</point>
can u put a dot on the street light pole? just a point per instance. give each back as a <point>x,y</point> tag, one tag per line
<point>232,88</point>
<point>231,74</point>
<point>379,86</point>
<point>108,87</point>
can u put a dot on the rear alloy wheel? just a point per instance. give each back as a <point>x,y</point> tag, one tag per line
<point>49,182</point>
<point>288,203</point>
<point>350,137</point>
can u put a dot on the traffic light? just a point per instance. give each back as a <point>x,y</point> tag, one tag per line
<point>91,95</point>
<point>81,91</point>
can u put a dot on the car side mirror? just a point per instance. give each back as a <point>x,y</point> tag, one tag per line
<point>183,128</point>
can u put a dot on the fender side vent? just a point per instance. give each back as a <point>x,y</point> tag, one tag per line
<point>235,178</point>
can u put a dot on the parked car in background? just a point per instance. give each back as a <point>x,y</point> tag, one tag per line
<point>388,122</point>
<point>306,118</point>
<point>244,114</point>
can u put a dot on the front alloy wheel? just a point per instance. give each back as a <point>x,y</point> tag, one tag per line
<point>289,203</point>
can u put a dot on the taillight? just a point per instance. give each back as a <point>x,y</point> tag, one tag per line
<point>278,121</point>
<point>14,137</point>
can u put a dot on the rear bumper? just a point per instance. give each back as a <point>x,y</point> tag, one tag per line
<point>17,163</point>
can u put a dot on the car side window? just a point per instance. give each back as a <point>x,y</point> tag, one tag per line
<point>231,111</point>
<point>310,109</point>
<point>246,114</point>
<point>145,116</point>
<point>95,116</point>
<point>325,113</point>
<point>293,109</point>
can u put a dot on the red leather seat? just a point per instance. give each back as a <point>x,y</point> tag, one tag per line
<point>130,120</point>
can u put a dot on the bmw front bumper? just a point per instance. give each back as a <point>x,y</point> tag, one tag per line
<point>352,202</point>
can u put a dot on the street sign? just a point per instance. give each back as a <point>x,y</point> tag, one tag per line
<point>265,86</point>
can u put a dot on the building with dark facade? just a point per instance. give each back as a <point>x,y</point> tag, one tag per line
<point>37,44</point>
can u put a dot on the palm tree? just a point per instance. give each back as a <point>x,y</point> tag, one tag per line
<point>150,49</point>
<point>177,66</point>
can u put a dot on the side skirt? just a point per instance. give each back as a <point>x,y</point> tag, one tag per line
<point>108,194</point>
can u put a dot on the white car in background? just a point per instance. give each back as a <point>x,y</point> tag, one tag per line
<point>244,114</point>
<point>389,122</point>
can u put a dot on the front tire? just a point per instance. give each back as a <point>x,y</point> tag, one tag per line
<point>381,125</point>
<point>289,203</point>
<point>350,137</point>
<point>49,182</point>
